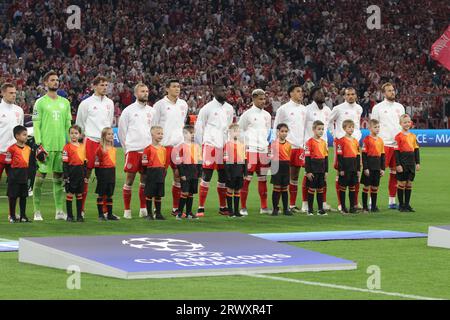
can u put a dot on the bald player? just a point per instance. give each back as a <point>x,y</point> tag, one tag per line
<point>316,111</point>
<point>134,135</point>
<point>211,131</point>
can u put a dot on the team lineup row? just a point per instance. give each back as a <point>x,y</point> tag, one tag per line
<point>52,119</point>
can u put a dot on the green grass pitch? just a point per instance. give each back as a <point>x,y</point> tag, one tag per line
<point>407,266</point>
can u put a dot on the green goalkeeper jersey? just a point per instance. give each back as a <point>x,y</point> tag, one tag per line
<point>51,122</point>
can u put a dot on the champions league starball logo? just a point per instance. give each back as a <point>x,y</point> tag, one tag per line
<point>185,253</point>
<point>166,244</point>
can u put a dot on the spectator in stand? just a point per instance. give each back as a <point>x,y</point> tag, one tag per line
<point>325,43</point>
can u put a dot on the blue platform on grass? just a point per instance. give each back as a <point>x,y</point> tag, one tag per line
<point>338,235</point>
<point>300,237</point>
<point>9,246</point>
<point>175,255</point>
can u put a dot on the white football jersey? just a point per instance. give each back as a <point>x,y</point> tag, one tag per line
<point>388,113</point>
<point>11,115</point>
<point>134,127</point>
<point>94,114</point>
<point>294,115</point>
<point>171,117</point>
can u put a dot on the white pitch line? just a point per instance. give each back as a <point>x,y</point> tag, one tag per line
<point>335,286</point>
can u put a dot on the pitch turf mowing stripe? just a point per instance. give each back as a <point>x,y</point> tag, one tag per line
<point>335,286</point>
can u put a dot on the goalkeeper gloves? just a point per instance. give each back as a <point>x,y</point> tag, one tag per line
<point>41,154</point>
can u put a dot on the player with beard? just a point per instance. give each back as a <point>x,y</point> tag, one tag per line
<point>255,123</point>
<point>211,131</point>
<point>316,111</point>
<point>388,113</point>
<point>348,110</point>
<point>51,122</point>
<point>134,135</point>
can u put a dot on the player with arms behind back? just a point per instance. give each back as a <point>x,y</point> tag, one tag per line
<point>388,113</point>
<point>293,114</point>
<point>170,114</point>
<point>134,135</point>
<point>94,114</point>
<point>348,110</point>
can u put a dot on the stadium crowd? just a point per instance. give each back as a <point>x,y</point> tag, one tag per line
<point>247,44</point>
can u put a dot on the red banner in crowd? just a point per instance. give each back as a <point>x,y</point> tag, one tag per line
<point>440,50</point>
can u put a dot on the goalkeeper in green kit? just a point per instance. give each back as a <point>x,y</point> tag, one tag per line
<point>51,123</point>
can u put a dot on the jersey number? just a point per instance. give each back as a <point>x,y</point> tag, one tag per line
<point>56,115</point>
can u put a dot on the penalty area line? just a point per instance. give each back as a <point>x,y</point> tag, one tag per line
<point>341,287</point>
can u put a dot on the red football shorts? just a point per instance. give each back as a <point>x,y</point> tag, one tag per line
<point>2,163</point>
<point>133,162</point>
<point>171,157</point>
<point>212,157</point>
<point>389,153</point>
<point>91,150</point>
<point>297,158</point>
<point>258,162</point>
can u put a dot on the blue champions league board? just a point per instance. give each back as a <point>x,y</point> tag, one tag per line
<point>175,255</point>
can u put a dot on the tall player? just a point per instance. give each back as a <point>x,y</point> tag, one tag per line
<point>388,113</point>
<point>170,114</point>
<point>134,136</point>
<point>348,110</point>
<point>316,111</point>
<point>94,114</point>
<point>211,131</point>
<point>255,123</point>
<point>293,113</point>
<point>51,122</point>
<point>11,116</point>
